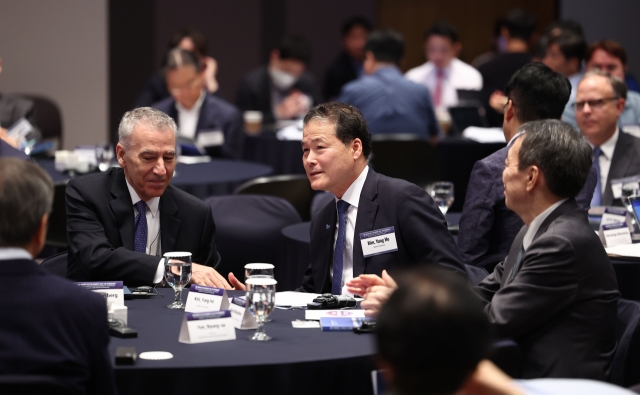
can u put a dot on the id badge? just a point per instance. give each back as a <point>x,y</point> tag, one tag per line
<point>380,241</point>
<point>210,138</point>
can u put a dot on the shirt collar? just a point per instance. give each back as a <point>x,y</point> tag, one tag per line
<point>196,107</point>
<point>7,253</point>
<point>352,195</point>
<point>537,221</point>
<point>153,204</point>
<point>609,146</point>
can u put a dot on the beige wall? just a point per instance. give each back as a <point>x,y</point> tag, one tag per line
<point>59,49</point>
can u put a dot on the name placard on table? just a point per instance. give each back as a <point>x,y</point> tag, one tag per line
<point>202,298</point>
<point>212,326</point>
<point>113,290</point>
<point>317,314</point>
<point>242,318</point>
<point>615,234</point>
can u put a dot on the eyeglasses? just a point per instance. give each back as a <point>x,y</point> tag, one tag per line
<point>188,86</point>
<point>593,104</point>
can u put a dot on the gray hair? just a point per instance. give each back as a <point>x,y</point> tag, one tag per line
<point>178,57</point>
<point>561,153</point>
<point>618,86</point>
<point>156,119</point>
<point>26,194</point>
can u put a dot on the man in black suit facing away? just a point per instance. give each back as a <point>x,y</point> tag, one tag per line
<point>122,221</point>
<point>48,325</point>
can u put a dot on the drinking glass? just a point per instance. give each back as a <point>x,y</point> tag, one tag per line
<point>177,272</point>
<point>442,194</point>
<point>261,297</point>
<point>104,155</point>
<point>258,270</point>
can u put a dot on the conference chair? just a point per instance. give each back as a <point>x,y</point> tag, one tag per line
<point>628,276</point>
<point>57,227</point>
<point>56,264</point>
<point>47,116</point>
<point>294,188</point>
<point>404,156</point>
<point>248,229</point>
<point>320,201</point>
<point>23,384</point>
<point>625,367</point>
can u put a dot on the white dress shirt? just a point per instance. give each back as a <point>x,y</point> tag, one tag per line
<point>188,118</point>
<point>458,75</point>
<point>351,196</point>
<point>153,229</point>
<point>607,148</point>
<point>7,253</point>
<point>537,221</point>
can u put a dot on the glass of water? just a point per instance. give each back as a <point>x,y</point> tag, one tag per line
<point>258,270</point>
<point>177,272</point>
<point>261,298</point>
<point>104,155</point>
<point>442,194</point>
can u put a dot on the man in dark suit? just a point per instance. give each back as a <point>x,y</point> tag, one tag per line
<point>204,120</point>
<point>48,325</point>
<point>487,226</point>
<point>122,221</point>
<point>600,100</point>
<point>283,89</point>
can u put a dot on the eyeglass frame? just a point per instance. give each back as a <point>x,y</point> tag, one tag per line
<point>593,104</point>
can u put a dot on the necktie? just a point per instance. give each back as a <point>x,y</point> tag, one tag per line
<point>437,94</point>
<point>597,193</point>
<point>140,228</point>
<point>338,253</point>
<point>518,264</point>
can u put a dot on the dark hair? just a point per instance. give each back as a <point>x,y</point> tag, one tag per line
<point>432,331</point>
<point>349,122</point>
<point>296,48</point>
<point>609,46</point>
<point>520,24</point>
<point>199,40</point>
<point>386,45</point>
<point>443,29</point>
<point>26,194</point>
<point>177,57</point>
<point>567,25</point>
<point>571,45</point>
<point>537,92</point>
<point>356,21</point>
<point>560,151</point>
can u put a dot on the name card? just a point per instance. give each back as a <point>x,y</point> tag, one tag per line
<point>212,326</point>
<point>341,324</point>
<point>210,138</point>
<point>378,241</point>
<point>616,185</point>
<point>614,215</point>
<point>113,290</point>
<point>202,298</point>
<point>242,318</point>
<point>317,314</point>
<point>614,234</point>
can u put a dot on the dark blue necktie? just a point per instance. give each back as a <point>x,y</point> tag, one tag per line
<point>338,253</point>
<point>140,228</point>
<point>597,193</point>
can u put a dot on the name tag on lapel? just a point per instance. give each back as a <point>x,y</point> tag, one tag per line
<point>210,138</point>
<point>378,242</point>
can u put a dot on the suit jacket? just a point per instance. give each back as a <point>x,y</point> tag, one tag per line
<point>625,163</point>
<point>421,232</point>
<point>215,114</point>
<point>561,307</point>
<point>338,74</point>
<point>487,226</point>
<point>50,326</point>
<point>13,108</point>
<point>100,230</point>
<point>8,151</point>
<point>254,92</point>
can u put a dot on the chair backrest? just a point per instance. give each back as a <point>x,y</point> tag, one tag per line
<point>23,384</point>
<point>47,117</point>
<point>56,264</point>
<point>464,116</point>
<point>320,201</point>
<point>248,229</point>
<point>625,367</point>
<point>57,228</point>
<point>404,156</point>
<point>294,188</point>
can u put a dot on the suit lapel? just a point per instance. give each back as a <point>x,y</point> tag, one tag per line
<point>327,220</point>
<point>367,210</point>
<point>565,207</point>
<point>204,116</point>
<point>122,209</point>
<point>169,222</point>
<point>513,255</point>
<point>619,164</point>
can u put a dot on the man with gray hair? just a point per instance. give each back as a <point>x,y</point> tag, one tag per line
<point>600,101</point>
<point>121,222</point>
<point>48,325</point>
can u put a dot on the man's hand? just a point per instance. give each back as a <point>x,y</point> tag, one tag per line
<point>210,71</point>
<point>489,380</point>
<point>497,101</point>
<point>205,275</point>
<point>359,285</point>
<point>4,137</point>
<point>374,290</point>
<point>292,106</point>
<point>237,285</point>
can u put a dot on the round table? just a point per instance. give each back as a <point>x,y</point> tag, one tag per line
<point>296,361</point>
<point>217,177</point>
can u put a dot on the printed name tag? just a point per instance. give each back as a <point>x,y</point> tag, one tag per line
<point>378,241</point>
<point>317,314</point>
<point>203,298</point>
<point>210,138</point>
<point>616,185</point>
<point>614,234</point>
<point>614,215</point>
<point>212,326</point>
<point>242,318</point>
<point>113,290</point>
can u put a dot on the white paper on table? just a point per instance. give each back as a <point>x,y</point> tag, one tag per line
<point>291,132</point>
<point>484,135</point>
<point>624,250</point>
<point>294,299</point>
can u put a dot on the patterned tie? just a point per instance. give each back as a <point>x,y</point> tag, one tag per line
<point>140,228</point>
<point>516,266</point>
<point>338,253</point>
<point>597,193</point>
<point>437,93</point>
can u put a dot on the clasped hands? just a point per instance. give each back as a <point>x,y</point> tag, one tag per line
<point>374,289</point>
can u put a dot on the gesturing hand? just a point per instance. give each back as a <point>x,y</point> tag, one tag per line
<point>205,275</point>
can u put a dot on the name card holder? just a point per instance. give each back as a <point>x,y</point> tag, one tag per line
<point>212,326</point>
<point>317,314</point>
<point>614,234</point>
<point>113,290</point>
<point>242,318</point>
<point>378,241</point>
<point>615,215</point>
<point>201,299</point>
